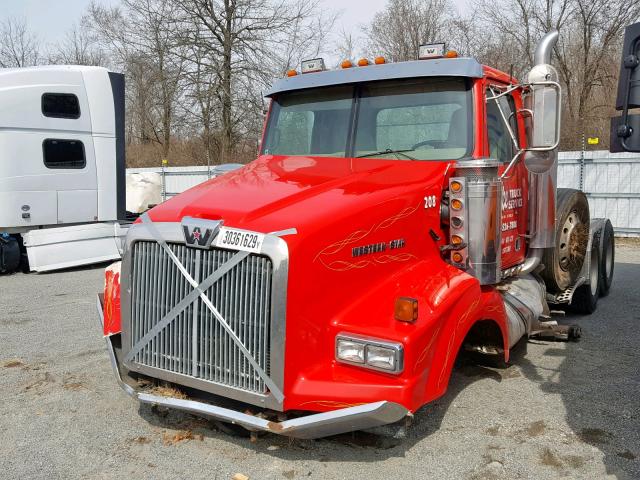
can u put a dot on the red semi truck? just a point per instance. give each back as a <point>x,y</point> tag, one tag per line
<point>397,214</point>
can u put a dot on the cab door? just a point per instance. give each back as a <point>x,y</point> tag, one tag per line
<point>501,146</point>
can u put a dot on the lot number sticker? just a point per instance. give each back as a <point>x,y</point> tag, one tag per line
<point>233,239</point>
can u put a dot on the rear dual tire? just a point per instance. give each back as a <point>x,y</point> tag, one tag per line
<point>563,262</point>
<point>585,298</point>
<point>607,258</point>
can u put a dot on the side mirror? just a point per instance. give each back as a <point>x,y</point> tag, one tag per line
<point>544,104</point>
<point>625,130</point>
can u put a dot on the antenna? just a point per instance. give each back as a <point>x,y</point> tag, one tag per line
<point>510,73</point>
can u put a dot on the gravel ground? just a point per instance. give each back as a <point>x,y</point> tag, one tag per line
<point>567,410</point>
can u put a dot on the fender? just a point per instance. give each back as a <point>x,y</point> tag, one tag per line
<point>111,311</point>
<point>450,303</point>
<point>462,308</point>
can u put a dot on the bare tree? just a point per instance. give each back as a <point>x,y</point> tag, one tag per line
<point>143,42</point>
<point>79,47</point>
<point>202,96</point>
<point>244,43</point>
<point>586,54</point>
<point>398,31</point>
<point>18,46</point>
<point>345,48</point>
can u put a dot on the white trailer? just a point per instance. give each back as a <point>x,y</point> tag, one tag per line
<point>62,166</point>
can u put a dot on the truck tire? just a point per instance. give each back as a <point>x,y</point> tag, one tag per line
<point>607,258</point>
<point>585,298</point>
<point>562,263</point>
<point>10,255</point>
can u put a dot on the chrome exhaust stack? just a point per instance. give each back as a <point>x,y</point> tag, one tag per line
<point>541,157</point>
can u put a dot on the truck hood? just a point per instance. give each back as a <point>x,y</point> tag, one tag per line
<point>367,232</point>
<point>275,193</point>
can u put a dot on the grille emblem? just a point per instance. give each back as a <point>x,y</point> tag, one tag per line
<point>200,233</point>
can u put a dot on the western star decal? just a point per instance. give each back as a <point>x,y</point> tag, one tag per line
<point>377,247</point>
<point>334,257</point>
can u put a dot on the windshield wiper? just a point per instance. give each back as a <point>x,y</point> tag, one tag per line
<point>388,150</point>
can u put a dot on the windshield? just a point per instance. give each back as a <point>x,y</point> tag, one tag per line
<point>415,119</point>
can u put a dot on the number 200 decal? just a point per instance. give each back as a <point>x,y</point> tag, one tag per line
<point>430,201</point>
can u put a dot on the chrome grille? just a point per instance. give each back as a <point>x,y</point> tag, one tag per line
<point>194,343</point>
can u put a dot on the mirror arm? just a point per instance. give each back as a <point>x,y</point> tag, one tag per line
<point>522,110</point>
<point>507,91</point>
<point>512,164</point>
<point>506,122</point>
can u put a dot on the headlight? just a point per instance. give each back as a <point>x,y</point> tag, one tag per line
<point>350,351</point>
<point>381,357</point>
<point>370,353</point>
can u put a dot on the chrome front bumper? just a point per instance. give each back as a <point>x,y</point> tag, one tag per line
<point>361,417</point>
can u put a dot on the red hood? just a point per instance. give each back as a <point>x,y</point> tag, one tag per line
<point>363,239</point>
<point>276,193</point>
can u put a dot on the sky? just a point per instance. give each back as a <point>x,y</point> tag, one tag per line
<point>51,19</point>
<point>48,19</point>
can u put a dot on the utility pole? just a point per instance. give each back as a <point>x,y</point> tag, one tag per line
<point>582,162</point>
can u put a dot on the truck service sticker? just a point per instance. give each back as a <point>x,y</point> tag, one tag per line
<point>234,239</point>
<point>512,202</point>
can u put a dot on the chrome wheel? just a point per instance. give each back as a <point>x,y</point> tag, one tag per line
<point>568,241</point>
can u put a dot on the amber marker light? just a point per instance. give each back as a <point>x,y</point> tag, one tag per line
<point>456,204</point>
<point>346,64</point>
<point>456,187</point>
<point>457,257</point>
<point>456,240</point>
<point>363,62</point>
<point>292,73</point>
<point>380,60</point>
<point>406,309</point>
<point>451,54</point>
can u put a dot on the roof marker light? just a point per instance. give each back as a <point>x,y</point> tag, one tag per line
<point>380,60</point>
<point>451,54</point>
<point>313,65</point>
<point>432,50</point>
<point>363,62</point>
<point>346,64</point>
<point>291,73</point>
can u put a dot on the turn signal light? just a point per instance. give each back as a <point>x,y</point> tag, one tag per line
<point>457,257</point>
<point>456,240</point>
<point>346,64</point>
<point>406,309</point>
<point>292,73</point>
<point>380,60</point>
<point>456,204</point>
<point>363,62</point>
<point>456,187</point>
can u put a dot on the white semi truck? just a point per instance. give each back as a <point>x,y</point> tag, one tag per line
<point>62,167</point>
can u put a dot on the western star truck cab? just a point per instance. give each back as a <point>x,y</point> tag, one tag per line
<point>397,214</point>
